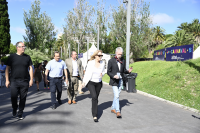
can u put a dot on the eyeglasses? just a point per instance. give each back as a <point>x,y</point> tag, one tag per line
<point>100,55</point>
<point>21,46</point>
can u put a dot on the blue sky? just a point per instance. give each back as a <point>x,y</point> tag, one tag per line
<point>168,14</point>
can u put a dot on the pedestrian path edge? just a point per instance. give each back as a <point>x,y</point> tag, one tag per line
<point>164,100</point>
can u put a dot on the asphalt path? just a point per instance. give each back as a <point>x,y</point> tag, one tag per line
<point>140,114</point>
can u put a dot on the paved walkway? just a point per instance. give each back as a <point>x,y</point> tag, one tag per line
<point>140,114</point>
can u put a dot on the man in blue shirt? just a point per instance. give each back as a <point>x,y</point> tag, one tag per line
<point>2,74</point>
<point>55,69</point>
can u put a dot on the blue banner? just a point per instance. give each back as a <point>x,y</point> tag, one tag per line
<point>179,53</point>
<point>80,55</point>
<point>159,54</point>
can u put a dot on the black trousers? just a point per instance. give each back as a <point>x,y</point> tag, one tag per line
<point>55,84</point>
<point>19,87</point>
<point>45,85</point>
<point>94,89</point>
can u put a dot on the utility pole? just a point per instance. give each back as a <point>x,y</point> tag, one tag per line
<point>128,2</point>
<point>98,37</point>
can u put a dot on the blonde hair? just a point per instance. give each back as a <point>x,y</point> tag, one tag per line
<point>94,54</point>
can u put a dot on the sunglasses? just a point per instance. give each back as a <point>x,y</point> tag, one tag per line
<point>100,55</point>
<point>21,46</point>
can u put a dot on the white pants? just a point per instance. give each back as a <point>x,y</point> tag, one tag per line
<point>2,79</point>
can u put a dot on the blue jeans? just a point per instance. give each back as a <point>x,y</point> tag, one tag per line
<point>116,91</point>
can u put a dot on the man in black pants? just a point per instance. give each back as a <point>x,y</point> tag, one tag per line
<point>19,81</point>
<point>44,69</point>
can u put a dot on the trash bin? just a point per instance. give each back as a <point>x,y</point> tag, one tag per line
<point>130,85</point>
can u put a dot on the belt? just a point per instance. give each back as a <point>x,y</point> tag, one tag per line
<point>56,77</point>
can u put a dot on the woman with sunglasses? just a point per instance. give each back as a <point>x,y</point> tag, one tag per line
<point>93,79</point>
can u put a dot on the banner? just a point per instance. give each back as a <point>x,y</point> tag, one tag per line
<point>80,55</point>
<point>179,53</point>
<point>159,54</point>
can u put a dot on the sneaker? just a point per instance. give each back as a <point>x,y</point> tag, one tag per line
<point>20,117</point>
<point>14,113</point>
<point>44,87</point>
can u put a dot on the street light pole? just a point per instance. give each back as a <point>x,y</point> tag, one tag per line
<point>128,32</point>
<point>69,49</point>
<point>98,38</point>
<point>87,46</point>
<point>78,47</point>
<point>61,51</point>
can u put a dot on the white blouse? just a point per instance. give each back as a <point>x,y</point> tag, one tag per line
<point>92,73</point>
<point>96,75</point>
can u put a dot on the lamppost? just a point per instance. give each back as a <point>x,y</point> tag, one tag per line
<point>87,46</point>
<point>128,4</point>
<point>98,37</point>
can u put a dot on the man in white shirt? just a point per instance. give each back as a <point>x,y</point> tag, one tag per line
<point>75,72</point>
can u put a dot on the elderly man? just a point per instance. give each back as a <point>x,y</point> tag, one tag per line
<point>19,64</point>
<point>55,69</point>
<point>2,74</point>
<point>74,66</point>
<point>116,69</point>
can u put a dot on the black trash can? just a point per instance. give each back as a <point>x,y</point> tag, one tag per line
<point>130,85</point>
<point>125,80</point>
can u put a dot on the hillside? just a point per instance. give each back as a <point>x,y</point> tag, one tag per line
<point>174,81</point>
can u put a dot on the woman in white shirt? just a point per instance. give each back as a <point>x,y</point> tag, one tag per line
<point>93,79</point>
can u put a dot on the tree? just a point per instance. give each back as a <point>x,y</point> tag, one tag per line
<point>39,28</point>
<point>192,28</point>
<point>159,35</point>
<point>36,56</point>
<point>180,38</point>
<point>4,29</point>
<point>79,25</point>
<point>13,49</point>
<point>141,31</point>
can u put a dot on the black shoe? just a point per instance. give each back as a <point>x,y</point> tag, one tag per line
<point>14,113</point>
<point>53,106</point>
<point>20,117</point>
<point>60,102</point>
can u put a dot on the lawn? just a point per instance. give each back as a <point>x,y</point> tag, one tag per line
<point>174,81</point>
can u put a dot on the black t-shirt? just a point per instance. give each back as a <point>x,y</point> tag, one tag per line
<point>19,66</point>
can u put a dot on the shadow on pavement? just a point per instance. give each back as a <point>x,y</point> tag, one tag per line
<point>196,117</point>
<point>108,104</point>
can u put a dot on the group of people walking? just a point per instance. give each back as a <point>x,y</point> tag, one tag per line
<point>21,80</point>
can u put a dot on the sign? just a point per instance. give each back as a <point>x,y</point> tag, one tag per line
<point>159,54</point>
<point>179,53</point>
<point>80,55</point>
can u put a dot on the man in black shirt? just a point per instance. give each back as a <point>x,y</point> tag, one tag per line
<point>19,80</point>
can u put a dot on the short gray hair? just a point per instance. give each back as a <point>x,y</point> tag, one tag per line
<point>18,43</point>
<point>119,49</point>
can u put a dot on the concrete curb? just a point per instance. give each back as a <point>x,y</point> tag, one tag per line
<point>167,101</point>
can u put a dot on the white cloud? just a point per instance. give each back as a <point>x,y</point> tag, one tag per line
<point>18,30</point>
<point>162,18</point>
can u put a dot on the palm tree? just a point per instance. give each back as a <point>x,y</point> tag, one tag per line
<point>195,29</point>
<point>180,38</point>
<point>159,36</point>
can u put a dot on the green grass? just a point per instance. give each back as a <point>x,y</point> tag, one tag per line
<point>174,81</point>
